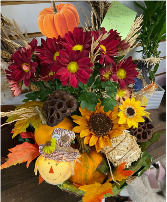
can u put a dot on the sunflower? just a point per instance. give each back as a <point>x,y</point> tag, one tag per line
<point>97,128</point>
<point>131,113</point>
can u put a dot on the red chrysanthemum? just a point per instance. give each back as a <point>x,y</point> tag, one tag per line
<point>106,73</point>
<point>125,72</point>
<point>73,67</point>
<point>110,46</point>
<point>48,52</point>
<point>45,73</point>
<point>78,40</point>
<point>21,69</point>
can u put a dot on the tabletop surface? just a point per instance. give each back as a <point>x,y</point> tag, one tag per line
<point>19,183</point>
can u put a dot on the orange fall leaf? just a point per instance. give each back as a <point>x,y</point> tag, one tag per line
<point>96,192</point>
<point>40,179</point>
<point>121,174</point>
<point>25,152</point>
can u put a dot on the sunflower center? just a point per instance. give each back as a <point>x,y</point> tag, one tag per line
<point>107,75</point>
<point>120,93</point>
<point>100,124</point>
<point>78,47</point>
<point>26,67</point>
<point>55,55</point>
<point>121,73</point>
<point>72,67</point>
<point>103,48</point>
<point>130,112</point>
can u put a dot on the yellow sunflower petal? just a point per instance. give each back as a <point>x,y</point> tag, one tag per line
<point>84,133</point>
<point>101,142</point>
<point>115,133</point>
<point>98,149</point>
<point>78,129</point>
<point>87,139</point>
<point>93,140</point>
<point>81,121</point>
<point>85,113</point>
<point>122,120</point>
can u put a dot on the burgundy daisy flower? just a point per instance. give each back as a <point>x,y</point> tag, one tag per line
<point>125,72</point>
<point>110,46</point>
<point>108,49</point>
<point>106,73</point>
<point>73,66</point>
<point>48,52</point>
<point>78,40</point>
<point>21,69</point>
<point>45,73</point>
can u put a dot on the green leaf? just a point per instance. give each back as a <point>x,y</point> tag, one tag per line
<point>155,138</point>
<point>108,103</point>
<point>103,167</point>
<point>89,100</point>
<point>144,161</point>
<point>70,187</point>
<point>138,5</point>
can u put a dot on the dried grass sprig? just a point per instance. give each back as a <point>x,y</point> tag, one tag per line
<point>87,22</point>
<point>10,30</point>
<point>132,36</point>
<point>94,53</point>
<point>20,114</point>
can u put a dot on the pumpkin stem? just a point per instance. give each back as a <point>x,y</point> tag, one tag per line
<point>54,7</point>
<point>83,148</point>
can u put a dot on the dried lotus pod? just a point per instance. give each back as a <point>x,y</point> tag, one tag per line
<point>58,105</point>
<point>124,149</point>
<point>144,131</point>
<point>63,137</point>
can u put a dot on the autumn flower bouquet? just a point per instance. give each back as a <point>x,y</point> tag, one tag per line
<point>83,124</point>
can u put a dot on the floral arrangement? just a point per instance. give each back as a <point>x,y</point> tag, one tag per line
<point>84,122</point>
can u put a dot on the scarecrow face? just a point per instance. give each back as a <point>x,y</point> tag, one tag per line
<point>54,172</point>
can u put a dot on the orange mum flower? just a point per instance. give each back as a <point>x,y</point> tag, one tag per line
<point>99,127</point>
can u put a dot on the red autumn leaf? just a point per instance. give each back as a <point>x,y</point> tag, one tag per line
<point>27,135</point>
<point>40,179</point>
<point>25,152</point>
<point>121,174</point>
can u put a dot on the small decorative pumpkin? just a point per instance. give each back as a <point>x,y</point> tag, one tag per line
<point>44,132</point>
<point>58,20</point>
<point>85,169</point>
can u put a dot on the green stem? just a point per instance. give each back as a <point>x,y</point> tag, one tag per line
<point>54,7</point>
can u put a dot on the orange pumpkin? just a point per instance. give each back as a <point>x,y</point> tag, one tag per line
<point>85,171</point>
<point>58,20</point>
<point>44,132</point>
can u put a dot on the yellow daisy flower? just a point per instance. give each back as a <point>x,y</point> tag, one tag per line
<point>97,128</point>
<point>131,113</point>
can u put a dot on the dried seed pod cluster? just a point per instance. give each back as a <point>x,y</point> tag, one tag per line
<point>58,105</point>
<point>144,131</point>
